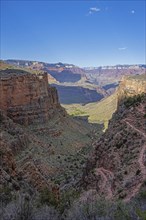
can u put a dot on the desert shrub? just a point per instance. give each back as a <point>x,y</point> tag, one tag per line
<point>121,211</point>
<point>46,213</point>
<point>66,199</point>
<point>6,194</point>
<point>1,116</point>
<point>142,194</point>
<point>104,210</point>
<point>89,210</point>
<point>141,214</point>
<point>138,172</point>
<point>48,197</point>
<point>19,209</point>
<point>134,100</point>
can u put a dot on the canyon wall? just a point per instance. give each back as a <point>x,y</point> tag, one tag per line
<point>117,167</point>
<point>131,86</point>
<point>27,98</point>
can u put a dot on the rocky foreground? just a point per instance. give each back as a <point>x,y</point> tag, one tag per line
<point>117,168</point>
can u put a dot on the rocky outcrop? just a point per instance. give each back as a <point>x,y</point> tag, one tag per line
<point>33,157</point>
<point>117,168</point>
<point>7,162</point>
<point>131,86</point>
<point>27,98</point>
<point>18,172</point>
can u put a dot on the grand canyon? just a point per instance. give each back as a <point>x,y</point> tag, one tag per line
<point>73,141</point>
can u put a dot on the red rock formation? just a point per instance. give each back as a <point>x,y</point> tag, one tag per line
<point>117,168</point>
<point>27,98</point>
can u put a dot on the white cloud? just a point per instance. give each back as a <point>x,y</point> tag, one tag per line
<point>122,48</point>
<point>93,10</point>
<point>132,12</point>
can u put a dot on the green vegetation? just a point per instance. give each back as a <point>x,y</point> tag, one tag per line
<point>47,197</point>
<point>97,112</point>
<point>134,100</point>
<point>78,112</point>
<point>141,214</point>
<point>71,208</point>
<point>6,194</point>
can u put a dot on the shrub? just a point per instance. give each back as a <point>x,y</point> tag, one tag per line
<point>6,194</point>
<point>67,199</point>
<point>47,197</point>
<point>138,172</point>
<point>141,214</point>
<point>142,194</point>
<point>20,209</point>
<point>134,100</point>
<point>46,213</point>
<point>89,210</point>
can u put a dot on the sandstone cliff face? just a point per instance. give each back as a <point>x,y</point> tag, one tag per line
<point>117,168</point>
<point>27,98</point>
<point>131,86</point>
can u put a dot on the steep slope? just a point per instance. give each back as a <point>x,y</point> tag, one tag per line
<point>97,112</point>
<point>40,145</point>
<point>70,94</point>
<point>26,98</point>
<point>117,168</point>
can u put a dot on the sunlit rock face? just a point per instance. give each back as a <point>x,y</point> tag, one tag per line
<point>27,98</point>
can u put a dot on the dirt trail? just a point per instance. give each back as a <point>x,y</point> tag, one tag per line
<point>140,161</point>
<point>107,177</point>
<point>136,129</point>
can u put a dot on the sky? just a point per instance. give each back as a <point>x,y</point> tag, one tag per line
<point>84,33</point>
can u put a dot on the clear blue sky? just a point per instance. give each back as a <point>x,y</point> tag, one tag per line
<point>85,33</point>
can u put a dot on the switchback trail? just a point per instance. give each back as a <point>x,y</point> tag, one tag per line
<point>107,177</point>
<point>141,159</point>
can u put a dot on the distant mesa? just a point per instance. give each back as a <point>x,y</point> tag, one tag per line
<point>81,85</point>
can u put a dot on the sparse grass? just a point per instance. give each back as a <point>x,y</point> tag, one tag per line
<point>68,149</point>
<point>98,112</point>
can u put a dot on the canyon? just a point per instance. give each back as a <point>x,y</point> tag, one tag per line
<point>42,147</point>
<point>82,85</point>
<point>117,168</point>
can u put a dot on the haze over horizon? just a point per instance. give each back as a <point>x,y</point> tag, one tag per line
<point>84,33</point>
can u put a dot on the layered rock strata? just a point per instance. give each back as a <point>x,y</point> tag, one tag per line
<point>27,98</point>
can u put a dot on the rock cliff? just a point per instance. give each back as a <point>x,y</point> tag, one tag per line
<point>117,168</point>
<point>130,86</point>
<point>40,145</point>
<point>27,98</point>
